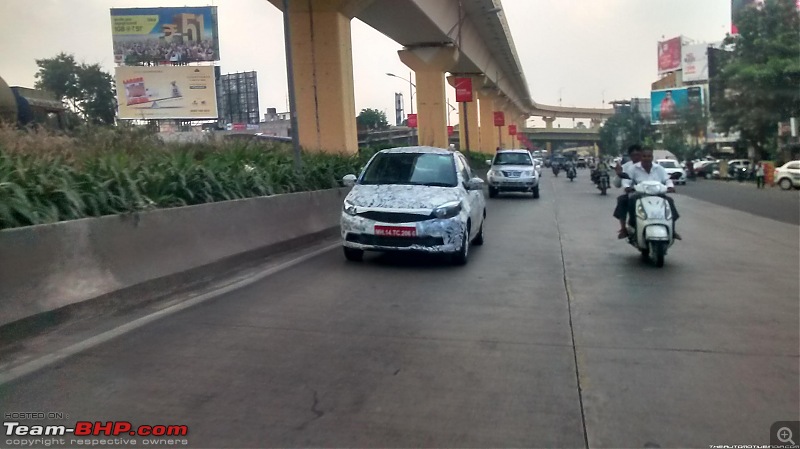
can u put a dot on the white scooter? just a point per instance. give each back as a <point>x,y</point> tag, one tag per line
<point>653,234</point>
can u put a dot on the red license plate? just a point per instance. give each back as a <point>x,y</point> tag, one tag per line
<point>395,231</point>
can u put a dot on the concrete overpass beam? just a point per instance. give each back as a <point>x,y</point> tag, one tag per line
<point>430,64</point>
<point>323,74</point>
<point>468,115</point>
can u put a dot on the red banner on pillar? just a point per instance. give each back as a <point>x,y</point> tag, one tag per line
<point>512,130</point>
<point>412,120</point>
<point>463,90</point>
<point>499,118</point>
<point>450,130</point>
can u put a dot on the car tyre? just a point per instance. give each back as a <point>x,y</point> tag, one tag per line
<point>462,255</point>
<point>536,192</point>
<point>478,240</point>
<point>353,255</point>
<point>492,192</point>
<point>785,183</point>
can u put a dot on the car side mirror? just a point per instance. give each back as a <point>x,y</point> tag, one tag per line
<point>349,180</point>
<point>488,162</point>
<point>475,184</point>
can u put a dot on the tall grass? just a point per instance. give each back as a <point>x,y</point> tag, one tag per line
<point>47,177</point>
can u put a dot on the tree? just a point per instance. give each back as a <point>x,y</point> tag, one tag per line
<point>87,89</point>
<point>758,81</point>
<point>372,119</point>
<point>623,129</point>
<point>682,138</point>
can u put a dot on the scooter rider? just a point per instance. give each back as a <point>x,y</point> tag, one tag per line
<point>647,171</point>
<point>621,211</point>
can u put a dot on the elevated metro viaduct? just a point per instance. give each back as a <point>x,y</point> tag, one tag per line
<point>463,38</point>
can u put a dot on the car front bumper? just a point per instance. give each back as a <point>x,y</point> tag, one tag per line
<point>513,184</point>
<point>443,235</point>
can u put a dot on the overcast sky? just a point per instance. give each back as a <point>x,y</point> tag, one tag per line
<point>578,50</point>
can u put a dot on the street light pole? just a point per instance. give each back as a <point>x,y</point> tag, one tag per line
<point>298,162</point>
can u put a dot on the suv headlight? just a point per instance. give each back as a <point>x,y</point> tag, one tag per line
<point>349,208</point>
<point>527,173</point>
<point>496,173</point>
<point>448,210</point>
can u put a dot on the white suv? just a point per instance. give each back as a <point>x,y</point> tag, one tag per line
<point>513,171</point>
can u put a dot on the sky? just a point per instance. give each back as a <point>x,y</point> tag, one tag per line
<point>573,52</point>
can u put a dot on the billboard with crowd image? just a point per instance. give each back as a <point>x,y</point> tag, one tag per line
<point>165,35</point>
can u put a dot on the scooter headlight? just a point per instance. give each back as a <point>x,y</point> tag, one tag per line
<point>640,212</point>
<point>667,212</point>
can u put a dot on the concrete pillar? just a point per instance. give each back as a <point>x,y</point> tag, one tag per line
<point>488,131</point>
<point>430,65</point>
<point>323,74</point>
<point>595,123</point>
<point>548,124</point>
<point>507,138</point>
<point>471,111</point>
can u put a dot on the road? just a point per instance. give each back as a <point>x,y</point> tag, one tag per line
<point>554,335</point>
<point>771,202</point>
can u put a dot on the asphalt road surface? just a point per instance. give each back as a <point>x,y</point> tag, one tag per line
<point>554,335</point>
<point>770,202</point>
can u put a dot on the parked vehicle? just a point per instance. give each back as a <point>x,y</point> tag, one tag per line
<point>708,171</point>
<point>413,199</point>
<point>513,171</point>
<point>788,175</point>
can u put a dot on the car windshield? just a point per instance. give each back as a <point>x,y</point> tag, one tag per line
<point>668,164</point>
<point>411,169</point>
<point>512,159</point>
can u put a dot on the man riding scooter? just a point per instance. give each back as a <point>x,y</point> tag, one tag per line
<point>621,211</point>
<point>647,171</point>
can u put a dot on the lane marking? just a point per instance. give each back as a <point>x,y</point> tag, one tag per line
<point>63,353</point>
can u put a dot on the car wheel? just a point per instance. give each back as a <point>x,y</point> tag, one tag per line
<point>478,240</point>
<point>492,192</point>
<point>462,255</point>
<point>353,255</point>
<point>536,192</point>
<point>785,183</point>
<point>708,175</point>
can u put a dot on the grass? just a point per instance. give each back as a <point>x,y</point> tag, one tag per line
<point>46,178</point>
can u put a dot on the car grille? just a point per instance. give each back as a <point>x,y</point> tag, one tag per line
<point>398,242</point>
<point>511,174</point>
<point>394,217</point>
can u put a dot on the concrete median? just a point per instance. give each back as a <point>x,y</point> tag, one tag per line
<point>48,267</point>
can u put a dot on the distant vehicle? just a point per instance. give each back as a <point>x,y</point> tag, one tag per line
<point>788,175</point>
<point>513,171</point>
<point>581,162</point>
<point>672,166</point>
<point>708,171</point>
<point>414,199</point>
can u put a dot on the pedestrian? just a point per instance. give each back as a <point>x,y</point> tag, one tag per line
<point>760,175</point>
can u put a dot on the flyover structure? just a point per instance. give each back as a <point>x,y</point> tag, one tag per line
<point>463,38</point>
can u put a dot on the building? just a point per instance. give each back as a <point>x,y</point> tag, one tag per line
<point>237,99</point>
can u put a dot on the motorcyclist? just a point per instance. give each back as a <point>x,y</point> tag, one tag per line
<point>621,211</point>
<point>647,171</point>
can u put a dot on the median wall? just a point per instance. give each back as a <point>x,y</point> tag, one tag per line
<point>46,267</point>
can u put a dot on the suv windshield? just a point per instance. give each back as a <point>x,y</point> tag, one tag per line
<point>512,159</point>
<point>668,164</point>
<point>411,169</point>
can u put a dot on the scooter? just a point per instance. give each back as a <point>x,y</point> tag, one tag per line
<point>555,170</point>
<point>603,181</point>
<point>571,173</point>
<point>653,234</point>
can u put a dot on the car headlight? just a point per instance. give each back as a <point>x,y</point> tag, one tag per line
<point>640,212</point>
<point>349,208</point>
<point>448,210</point>
<point>496,173</point>
<point>527,173</point>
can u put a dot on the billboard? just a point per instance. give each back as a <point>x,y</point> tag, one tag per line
<point>669,55</point>
<point>463,90</point>
<point>695,62</point>
<point>237,98</point>
<point>666,105</point>
<point>166,92</point>
<point>155,35</point>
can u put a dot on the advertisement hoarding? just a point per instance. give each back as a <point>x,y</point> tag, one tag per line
<point>411,120</point>
<point>451,130</point>
<point>149,35</point>
<point>695,63</point>
<point>669,55</point>
<point>166,92</point>
<point>667,104</point>
<point>499,118</point>
<point>463,90</point>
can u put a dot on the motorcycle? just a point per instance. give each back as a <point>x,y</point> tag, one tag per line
<point>653,234</point>
<point>571,173</point>
<point>602,180</point>
<point>555,170</point>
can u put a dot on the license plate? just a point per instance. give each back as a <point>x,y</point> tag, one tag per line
<point>395,231</point>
